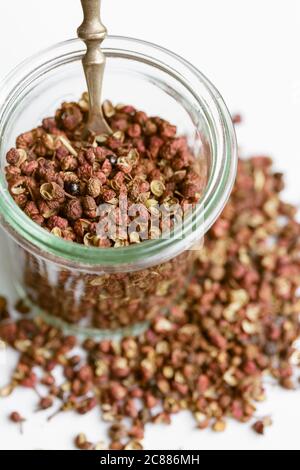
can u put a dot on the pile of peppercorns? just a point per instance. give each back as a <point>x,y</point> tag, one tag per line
<point>60,180</point>
<point>238,321</point>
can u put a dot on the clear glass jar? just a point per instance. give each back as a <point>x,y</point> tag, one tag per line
<point>108,291</point>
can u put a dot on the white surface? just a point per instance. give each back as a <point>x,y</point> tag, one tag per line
<point>250,49</point>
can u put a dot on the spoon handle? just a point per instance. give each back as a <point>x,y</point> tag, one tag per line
<point>93,32</point>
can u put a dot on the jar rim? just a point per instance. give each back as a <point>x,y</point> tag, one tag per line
<point>216,193</point>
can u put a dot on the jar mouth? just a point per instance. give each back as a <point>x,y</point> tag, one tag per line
<point>215,195</point>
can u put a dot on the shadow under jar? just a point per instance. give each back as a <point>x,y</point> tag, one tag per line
<point>107,291</point>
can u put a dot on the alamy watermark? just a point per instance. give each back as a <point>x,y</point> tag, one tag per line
<point>126,222</point>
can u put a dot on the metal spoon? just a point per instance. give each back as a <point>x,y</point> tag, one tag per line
<point>93,32</point>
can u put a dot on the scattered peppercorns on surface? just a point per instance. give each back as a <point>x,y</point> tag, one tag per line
<point>237,322</point>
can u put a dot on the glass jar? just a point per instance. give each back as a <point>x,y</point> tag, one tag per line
<point>109,291</point>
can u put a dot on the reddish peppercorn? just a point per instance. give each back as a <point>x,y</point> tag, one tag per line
<point>45,403</point>
<point>16,417</point>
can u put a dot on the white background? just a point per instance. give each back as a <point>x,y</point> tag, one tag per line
<point>250,50</point>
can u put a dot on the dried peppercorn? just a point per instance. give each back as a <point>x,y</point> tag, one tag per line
<point>15,417</point>
<point>94,187</point>
<point>258,427</point>
<point>45,403</point>
<point>82,443</point>
<point>69,116</point>
<point>73,210</point>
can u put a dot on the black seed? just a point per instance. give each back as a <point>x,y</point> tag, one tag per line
<point>72,188</point>
<point>112,159</point>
